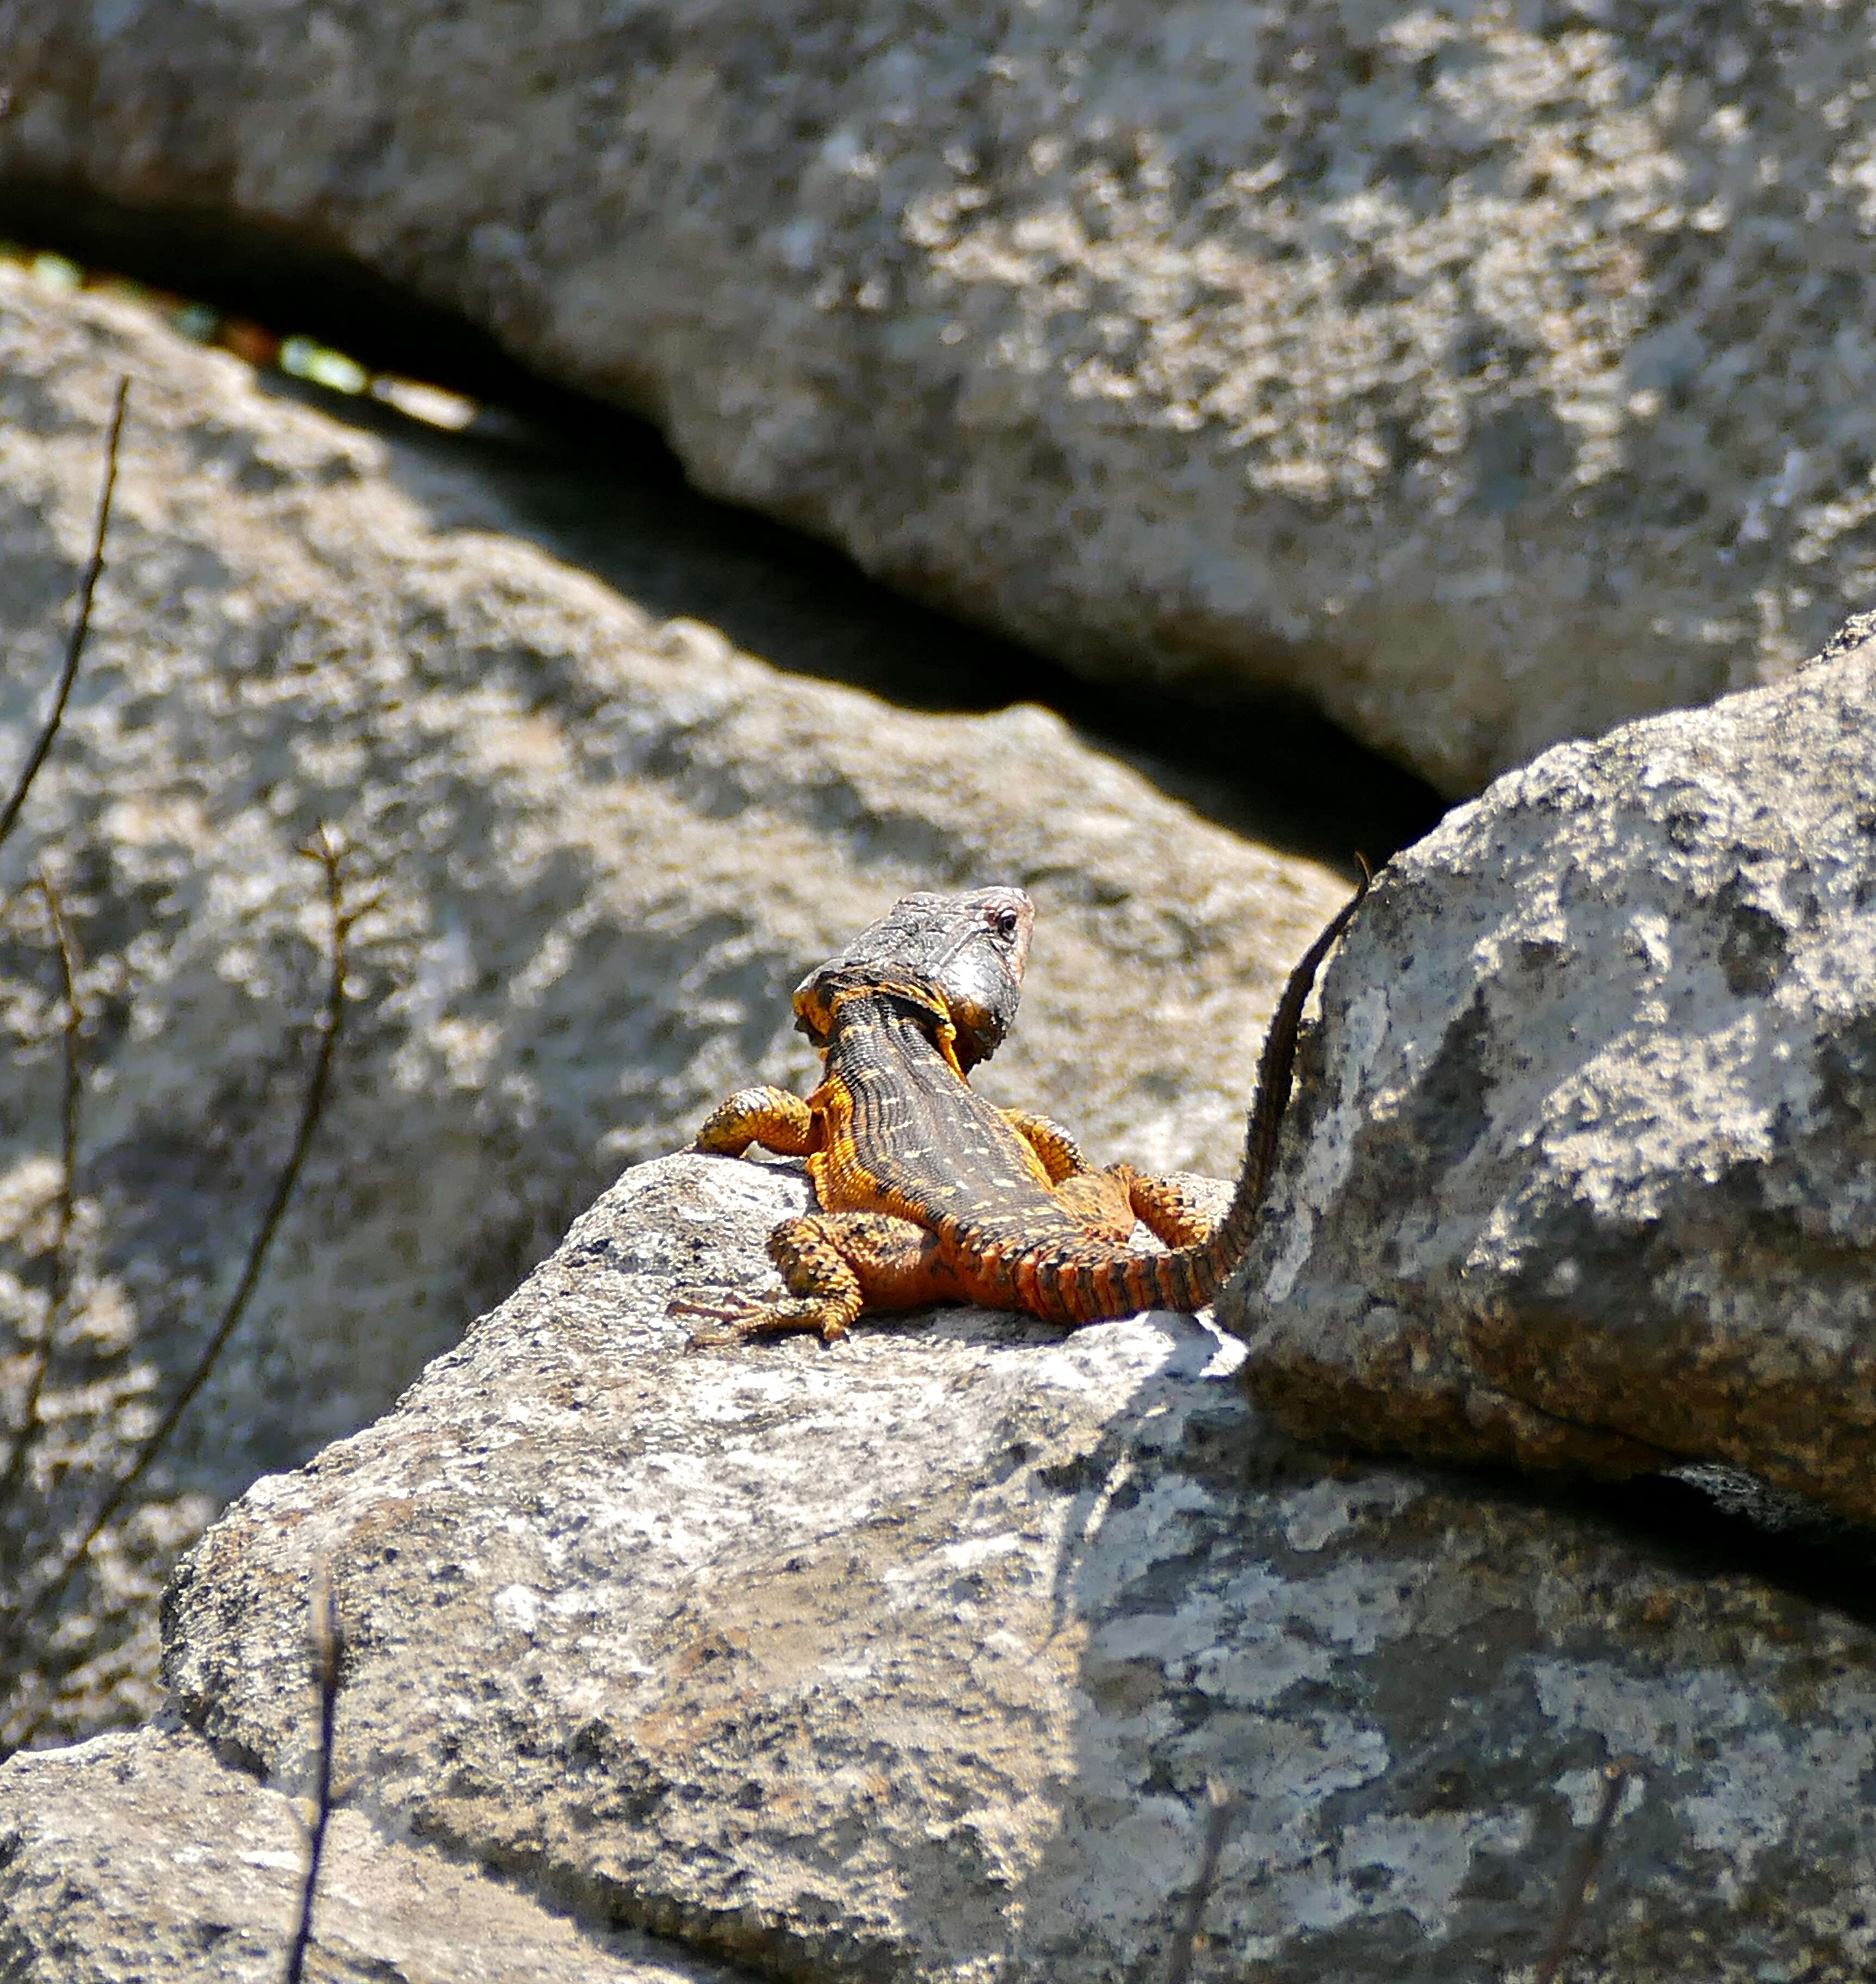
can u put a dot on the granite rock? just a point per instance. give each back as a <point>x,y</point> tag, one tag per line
<point>604,847</point>
<point>922,1658</point>
<point>1583,1173</point>
<point>139,1859</point>
<point>1490,375</point>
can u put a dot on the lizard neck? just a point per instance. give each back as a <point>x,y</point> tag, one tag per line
<point>908,1022</point>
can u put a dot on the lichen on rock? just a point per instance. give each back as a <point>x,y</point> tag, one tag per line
<point>919,1658</point>
<point>1581,1173</point>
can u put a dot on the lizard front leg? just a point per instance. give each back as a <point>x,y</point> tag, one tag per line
<point>834,1265</point>
<point>1061,1155</point>
<point>770,1117</point>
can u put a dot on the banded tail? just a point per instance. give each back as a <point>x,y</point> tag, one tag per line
<point>1187,1278</point>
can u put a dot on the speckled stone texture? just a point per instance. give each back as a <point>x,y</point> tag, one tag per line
<point>1583,1171</point>
<point>605,848</point>
<point>1491,374</point>
<point>910,1660</point>
<point>139,1859</point>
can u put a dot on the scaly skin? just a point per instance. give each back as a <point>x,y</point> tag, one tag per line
<point>928,1193</point>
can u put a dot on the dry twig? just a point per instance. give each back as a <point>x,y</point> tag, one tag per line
<point>328,1644</point>
<point>325,848</point>
<point>75,646</point>
<point>1575,1888</point>
<point>28,1428</point>
<point>1223,1809</point>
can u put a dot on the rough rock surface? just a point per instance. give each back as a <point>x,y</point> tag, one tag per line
<point>139,1857</point>
<point>913,1659</point>
<point>1584,1171</point>
<point>604,849</point>
<point>1492,374</point>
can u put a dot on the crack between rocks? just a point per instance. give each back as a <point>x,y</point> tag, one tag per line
<point>1803,1516</point>
<point>1263,764</point>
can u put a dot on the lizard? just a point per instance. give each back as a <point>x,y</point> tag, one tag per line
<point>927,1192</point>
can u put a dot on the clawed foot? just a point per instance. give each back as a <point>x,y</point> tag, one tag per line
<point>748,1317</point>
<point>745,1316</point>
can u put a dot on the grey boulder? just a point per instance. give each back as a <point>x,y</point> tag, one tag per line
<point>138,1857</point>
<point>1490,377</point>
<point>1582,1173</point>
<point>604,845</point>
<point>926,1658</point>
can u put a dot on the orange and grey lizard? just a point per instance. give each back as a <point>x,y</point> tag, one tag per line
<point>928,1192</point>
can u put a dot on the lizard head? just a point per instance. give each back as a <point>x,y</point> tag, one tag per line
<point>968,952</point>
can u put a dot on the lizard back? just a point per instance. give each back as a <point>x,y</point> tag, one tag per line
<point>905,1135</point>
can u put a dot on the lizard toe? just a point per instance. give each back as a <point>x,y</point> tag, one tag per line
<point>745,1317</point>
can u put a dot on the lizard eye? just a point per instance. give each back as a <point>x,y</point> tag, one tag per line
<point>1004,923</point>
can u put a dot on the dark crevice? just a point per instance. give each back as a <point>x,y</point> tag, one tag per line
<point>277,277</point>
<point>1821,1558</point>
<point>1732,1526</point>
<point>1698,1519</point>
<point>600,488</point>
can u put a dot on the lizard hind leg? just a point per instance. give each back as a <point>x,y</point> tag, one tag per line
<point>834,1265</point>
<point>1170,1210</point>
<point>1100,1202</point>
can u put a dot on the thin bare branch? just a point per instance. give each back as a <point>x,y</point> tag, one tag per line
<point>325,848</point>
<point>328,1645</point>
<point>81,625</point>
<point>1223,1809</point>
<point>1576,1888</point>
<point>28,1428</point>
